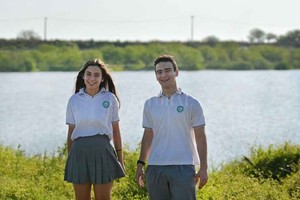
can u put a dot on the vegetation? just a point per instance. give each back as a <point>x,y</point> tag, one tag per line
<point>271,173</point>
<point>29,53</point>
<point>225,55</point>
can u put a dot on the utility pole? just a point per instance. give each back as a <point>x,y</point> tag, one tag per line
<point>45,28</point>
<point>192,28</point>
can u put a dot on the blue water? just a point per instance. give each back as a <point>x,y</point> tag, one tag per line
<point>242,108</point>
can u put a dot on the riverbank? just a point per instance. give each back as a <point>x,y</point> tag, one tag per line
<point>26,56</point>
<point>271,173</point>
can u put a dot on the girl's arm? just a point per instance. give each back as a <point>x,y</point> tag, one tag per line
<point>69,141</point>
<point>117,139</point>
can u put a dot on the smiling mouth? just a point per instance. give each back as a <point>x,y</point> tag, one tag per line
<point>91,84</point>
<point>164,80</point>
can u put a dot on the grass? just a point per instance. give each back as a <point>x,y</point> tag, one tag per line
<point>271,173</point>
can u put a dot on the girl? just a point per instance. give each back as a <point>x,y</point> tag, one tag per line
<point>93,121</point>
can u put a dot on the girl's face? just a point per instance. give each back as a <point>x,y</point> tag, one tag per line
<point>92,79</point>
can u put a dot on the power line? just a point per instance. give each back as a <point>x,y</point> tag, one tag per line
<point>118,20</point>
<point>19,19</point>
<point>157,20</point>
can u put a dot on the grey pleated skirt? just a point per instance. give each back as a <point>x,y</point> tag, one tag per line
<point>92,160</point>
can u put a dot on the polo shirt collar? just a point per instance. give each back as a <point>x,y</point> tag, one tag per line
<point>179,91</point>
<point>82,92</point>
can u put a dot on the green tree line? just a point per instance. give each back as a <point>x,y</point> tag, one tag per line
<point>36,55</point>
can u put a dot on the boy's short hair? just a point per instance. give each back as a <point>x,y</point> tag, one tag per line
<point>166,58</point>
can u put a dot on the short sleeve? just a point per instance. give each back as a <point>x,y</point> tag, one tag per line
<point>115,110</point>
<point>69,114</point>
<point>197,115</point>
<point>146,117</point>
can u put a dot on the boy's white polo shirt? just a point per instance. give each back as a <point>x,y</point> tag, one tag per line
<point>92,115</point>
<point>172,121</point>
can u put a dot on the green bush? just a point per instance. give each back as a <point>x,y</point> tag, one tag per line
<point>126,188</point>
<point>252,177</point>
<point>67,56</point>
<point>276,163</point>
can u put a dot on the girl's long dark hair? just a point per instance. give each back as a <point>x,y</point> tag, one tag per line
<point>107,83</point>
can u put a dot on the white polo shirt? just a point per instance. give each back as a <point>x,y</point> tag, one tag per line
<point>92,115</point>
<point>172,121</point>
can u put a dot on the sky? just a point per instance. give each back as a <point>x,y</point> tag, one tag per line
<point>147,20</point>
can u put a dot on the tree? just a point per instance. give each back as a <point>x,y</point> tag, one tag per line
<point>257,35</point>
<point>270,37</point>
<point>208,53</point>
<point>211,39</point>
<point>28,35</point>
<point>292,38</point>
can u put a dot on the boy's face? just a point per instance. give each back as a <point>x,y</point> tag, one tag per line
<point>165,74</point>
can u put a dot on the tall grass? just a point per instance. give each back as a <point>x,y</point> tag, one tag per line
<point>271,173</point>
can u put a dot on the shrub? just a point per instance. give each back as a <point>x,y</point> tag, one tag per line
<point>41,176</point>
<point>273,162</point>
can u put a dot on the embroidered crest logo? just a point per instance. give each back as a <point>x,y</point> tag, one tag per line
<point>180,109</point>
<point>105,104</point>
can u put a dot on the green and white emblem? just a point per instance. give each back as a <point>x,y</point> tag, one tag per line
<point>105,104</point>
<point>180,109</point>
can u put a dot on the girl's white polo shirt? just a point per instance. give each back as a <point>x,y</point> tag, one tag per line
<point>172,121</point>
<point>92,115</point>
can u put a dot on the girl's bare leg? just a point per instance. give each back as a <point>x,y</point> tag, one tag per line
<point>82,191</point>
<point>103,191</point>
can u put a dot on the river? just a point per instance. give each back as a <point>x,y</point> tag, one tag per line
<point>242,108</point>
